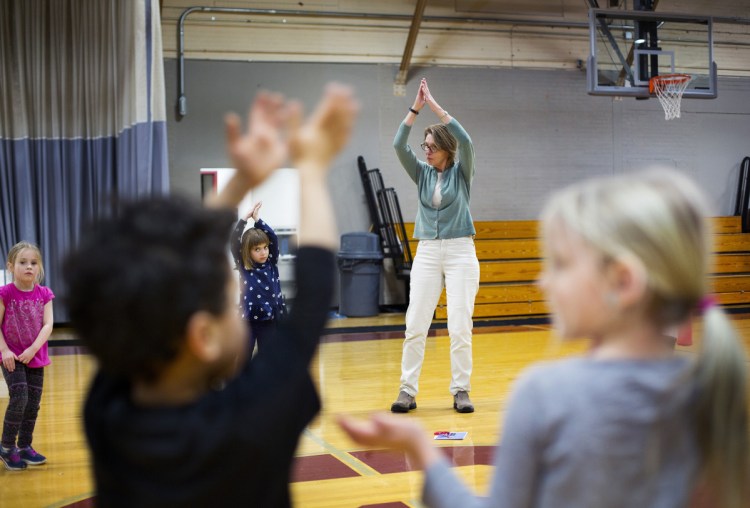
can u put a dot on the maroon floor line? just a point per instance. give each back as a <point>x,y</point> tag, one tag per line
<point>327,467</point>
<point>388,461</point>
<point>330,337</point>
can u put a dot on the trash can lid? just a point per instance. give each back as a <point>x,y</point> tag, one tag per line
<point>374,256</point>
<point>360,246</point>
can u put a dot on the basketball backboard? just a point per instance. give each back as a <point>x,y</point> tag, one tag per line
<point>630,47</point>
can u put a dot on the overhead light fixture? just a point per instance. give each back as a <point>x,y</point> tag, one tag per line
<point>640,41</point>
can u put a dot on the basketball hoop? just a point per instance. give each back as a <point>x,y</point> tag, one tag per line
<point>669,89</point>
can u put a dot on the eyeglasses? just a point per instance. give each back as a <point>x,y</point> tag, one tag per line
<point>429,148</point>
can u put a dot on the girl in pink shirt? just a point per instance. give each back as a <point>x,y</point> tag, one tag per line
<point>26,324</point>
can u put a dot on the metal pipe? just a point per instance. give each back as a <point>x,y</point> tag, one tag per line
<point>181,99</point>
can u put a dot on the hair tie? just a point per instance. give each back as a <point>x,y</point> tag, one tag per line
<point>706,303</point>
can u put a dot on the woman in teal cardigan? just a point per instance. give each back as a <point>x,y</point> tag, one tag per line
<point>446,252</point>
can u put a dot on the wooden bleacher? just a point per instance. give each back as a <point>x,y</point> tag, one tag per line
<point>510,255</point>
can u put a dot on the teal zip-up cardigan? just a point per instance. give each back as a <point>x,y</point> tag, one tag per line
<point>453,218</point>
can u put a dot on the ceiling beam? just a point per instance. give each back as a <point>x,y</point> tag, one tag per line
<point>399,87</point>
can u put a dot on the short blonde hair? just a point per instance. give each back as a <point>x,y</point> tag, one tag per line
<point>16,250</point>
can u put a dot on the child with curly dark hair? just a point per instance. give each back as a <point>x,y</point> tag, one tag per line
<point>176,416</point>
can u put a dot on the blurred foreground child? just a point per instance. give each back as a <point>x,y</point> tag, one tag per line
<point>176,416</point>
<point>630,424</point>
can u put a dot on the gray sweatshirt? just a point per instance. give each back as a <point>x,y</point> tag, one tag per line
<point>584,433</point>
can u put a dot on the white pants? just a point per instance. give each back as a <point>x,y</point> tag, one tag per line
<point>455,262</point>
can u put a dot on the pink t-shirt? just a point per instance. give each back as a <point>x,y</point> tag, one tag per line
<point>24,318</point>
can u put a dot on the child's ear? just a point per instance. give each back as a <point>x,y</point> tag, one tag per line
<point>201,337</point>
<point>629,280</point>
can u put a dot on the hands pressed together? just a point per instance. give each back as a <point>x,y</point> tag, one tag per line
<point>254,211</point>
<point>425,97</point>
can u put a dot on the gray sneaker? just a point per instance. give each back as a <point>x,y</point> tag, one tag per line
<point>404,403</point>
<point>461,403</point>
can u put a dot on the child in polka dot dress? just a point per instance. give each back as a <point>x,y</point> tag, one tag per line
<point>256,256</point>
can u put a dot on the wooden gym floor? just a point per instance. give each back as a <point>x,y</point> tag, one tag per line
<point>357,372</point>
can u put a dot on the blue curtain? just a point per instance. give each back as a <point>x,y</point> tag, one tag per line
<point>82,119</point>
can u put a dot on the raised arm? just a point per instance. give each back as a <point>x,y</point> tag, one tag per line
<point>465,149</point>
<point>465,145</point>
<point>273,240</point>
<point>313,147</point>
<point>432,103</point>
<point>416,107</point>
<point>405,154</point>
<point>235,243</point>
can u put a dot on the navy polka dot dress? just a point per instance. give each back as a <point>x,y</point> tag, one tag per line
<point>260,287</point>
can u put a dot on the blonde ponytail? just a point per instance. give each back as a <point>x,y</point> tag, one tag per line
<point>659,218</point>
<point>722,413</point>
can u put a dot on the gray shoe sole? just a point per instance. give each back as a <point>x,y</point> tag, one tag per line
<point>465,409</point>
<point>401,408</point>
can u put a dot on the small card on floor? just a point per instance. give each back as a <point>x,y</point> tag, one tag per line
<point>445,435</point>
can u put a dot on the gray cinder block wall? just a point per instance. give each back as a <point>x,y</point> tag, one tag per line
<point>533,132</point>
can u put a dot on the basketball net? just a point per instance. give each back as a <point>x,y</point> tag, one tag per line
<point>669,89</point>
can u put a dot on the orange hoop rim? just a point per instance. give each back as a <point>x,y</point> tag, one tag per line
<point>667,79</point>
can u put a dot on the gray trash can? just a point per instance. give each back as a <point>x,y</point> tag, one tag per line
<point>360,262</point>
